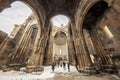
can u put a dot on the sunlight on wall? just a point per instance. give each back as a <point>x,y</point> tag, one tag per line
<point>108,33</point>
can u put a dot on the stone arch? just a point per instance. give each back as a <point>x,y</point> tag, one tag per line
<point>60,38</point>
<point>85,11</point>
<point>34,26</point>
<point>33,9</point>
<point>62,30</point>
<point>92,14</point>
<point>38,16</point>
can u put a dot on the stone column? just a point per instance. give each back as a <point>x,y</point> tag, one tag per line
<point>80,57</point>
<point>99,47</point>
<point>43,44</point>
<point>22,47</point>
<point>71,52</point>
<point>87,54</point>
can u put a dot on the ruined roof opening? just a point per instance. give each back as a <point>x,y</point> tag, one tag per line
<point>60,20</point>
<point>16,14</point>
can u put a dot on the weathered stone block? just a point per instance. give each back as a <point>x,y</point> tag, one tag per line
<point>30,69</point>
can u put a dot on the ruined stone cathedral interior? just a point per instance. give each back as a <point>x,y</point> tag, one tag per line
<point>90,41</point>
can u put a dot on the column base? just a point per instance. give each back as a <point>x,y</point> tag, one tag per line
<point>88,70</point>
<point>112,69</point>
<point>30,69</point>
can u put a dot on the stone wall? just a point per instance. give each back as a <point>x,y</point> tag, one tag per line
<point>111,19</point>
<point>20,45</point>
<point>63,53</point>
<point>3,41</point>
<point>3,35</point>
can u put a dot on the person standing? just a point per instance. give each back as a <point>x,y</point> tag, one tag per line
<point>76,65</point>
<point>53,67</point>
<point>64,64</point>
<point>68,66</point>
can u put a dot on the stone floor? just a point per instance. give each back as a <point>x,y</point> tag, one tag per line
<point>58,74</point>
<point>74,75</point>
<point>78,76</point>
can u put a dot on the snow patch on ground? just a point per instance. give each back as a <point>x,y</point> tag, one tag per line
<point>19,75</point>
<point>46,75</point>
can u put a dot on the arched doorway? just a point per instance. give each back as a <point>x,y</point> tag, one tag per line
<point>60,47</point>
<point>58,41</point>
<point>91,34</point>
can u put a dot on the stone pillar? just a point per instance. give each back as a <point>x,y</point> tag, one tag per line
<point>71,52</point>
<point>42,49</point>
<point>27,43</point>
<point>87,53</point>
<point>87,59</point>
<point>43,44</point>
<point>73,45</point>
<point>100,48</point>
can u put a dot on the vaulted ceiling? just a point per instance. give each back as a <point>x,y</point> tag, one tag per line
<point>59,6</point>
<point>54,7</point>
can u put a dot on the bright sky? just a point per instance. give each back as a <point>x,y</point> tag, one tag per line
<point>60,19</point>
<point>16,14</point>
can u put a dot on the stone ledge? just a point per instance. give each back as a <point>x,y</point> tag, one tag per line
<point>87,70</point>
<point>30,69</point>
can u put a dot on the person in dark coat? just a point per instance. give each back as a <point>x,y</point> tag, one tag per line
<point>68,66</point>
<point>64,64</point>
<point>76,65</point>
<point>53,67</point>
